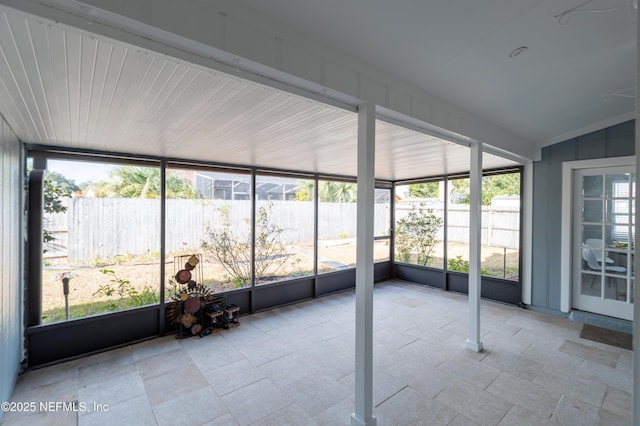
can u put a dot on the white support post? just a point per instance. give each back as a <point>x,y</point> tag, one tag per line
<point>527,232</point>
<point>475,214</point>
<point>363,415</point>
<point>636,288</point>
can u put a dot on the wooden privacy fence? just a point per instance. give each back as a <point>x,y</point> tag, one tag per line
<point>102,228</point>
<point>500,225</point>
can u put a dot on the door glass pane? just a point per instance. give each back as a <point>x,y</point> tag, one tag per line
<point>591,284</point>
<point>591,232</point>
<point>592,186</point>
<point>615,287</point>
<point>617,186</point>
<point>592,211</point>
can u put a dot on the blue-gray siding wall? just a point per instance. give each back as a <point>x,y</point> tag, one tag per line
<point>615,141</point>
<point>10,261</point>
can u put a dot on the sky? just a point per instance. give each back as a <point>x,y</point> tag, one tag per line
<point>79,171</point>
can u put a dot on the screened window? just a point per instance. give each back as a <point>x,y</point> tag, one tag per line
<point>101,225</point>
<point>337,216</point>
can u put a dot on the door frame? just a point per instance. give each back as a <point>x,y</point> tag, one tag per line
<point>566,260</point>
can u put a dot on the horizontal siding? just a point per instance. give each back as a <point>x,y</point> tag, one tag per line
<point>616,141</point>
<point>10,261</point>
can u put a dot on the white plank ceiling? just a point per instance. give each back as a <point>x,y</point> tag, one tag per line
<point>63,87</point>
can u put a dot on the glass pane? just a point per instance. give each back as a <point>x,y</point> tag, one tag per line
<point>617,186</point>
<point>337,216</point>
<point>501,226</point>
<point>216,223</point>
<point>381,250</point>
<point>615,288</point>
<point>592,211</point>
<point>418,228</point>
<point>591,259</point>
<point>382,212</point>
<point>284,228</point>
<point>591,284</point>
<point>102,227</point>
<point>591,232</point>
<point>592,186</point>
<point>458,226</point>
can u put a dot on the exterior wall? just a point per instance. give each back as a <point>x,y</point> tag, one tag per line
<point>10,260</point>
<point>616,141</point>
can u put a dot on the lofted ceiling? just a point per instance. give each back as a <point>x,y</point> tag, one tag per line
<point>577,73</point>
<point>61,86</point>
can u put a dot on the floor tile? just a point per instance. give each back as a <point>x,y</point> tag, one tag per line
<point>295,364</point>
<point>113,390</point>
<point>410,407</point>
<point>129,411</point>
<point>384,386</point>
<point>606,418</point>
<point>225,420</point>
<point>572,385</point>
<point>169,385</point>
<point>571,412</point>
<point>316,393</point>
<point>482,407</point>
<point>473,372</point>
<point>518,416</point>
<point>264,352</point>
<point>290,415</point>
<point>154,347</point>
<point>233,376</point>
<point>288,369</point>
<point>164,362</point>
<point>255,401</point>
<point>461,420</point>
<point>190,408</point>
<point>590,353</point>
<point>539,400</point>
<point>618,402</point>
<point>610,376</point>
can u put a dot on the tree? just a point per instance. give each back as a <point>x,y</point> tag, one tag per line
<point>328,192</point>
<point>143,182</point>
<point>460,191</point>
<point>425,190</point>
<point>233,250</point>
<point>61,181</point>
<point>53,195</point>
<point>492,186</point>
<point>416,233</point>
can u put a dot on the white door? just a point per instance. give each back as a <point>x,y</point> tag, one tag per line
<point>603,240</point>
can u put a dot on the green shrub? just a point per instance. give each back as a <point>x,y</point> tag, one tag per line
<point>460,265</point>
<point>416,234</point>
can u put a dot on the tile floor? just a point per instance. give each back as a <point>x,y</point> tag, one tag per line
<point>295,366</point>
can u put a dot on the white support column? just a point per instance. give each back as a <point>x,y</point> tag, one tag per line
<point>475,214</point>
<point>636,288</point>
<point>527,232</point>
<point>363,415</point>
